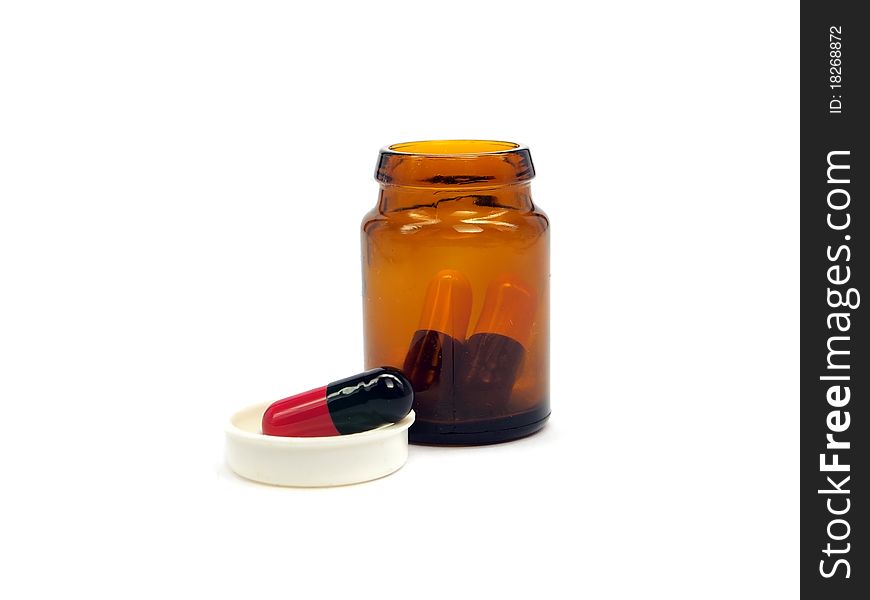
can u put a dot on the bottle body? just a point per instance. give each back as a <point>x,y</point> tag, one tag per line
<point>456,289</point>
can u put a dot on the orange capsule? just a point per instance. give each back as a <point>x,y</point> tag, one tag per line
<point>493,355</point>
<point>435,346</point>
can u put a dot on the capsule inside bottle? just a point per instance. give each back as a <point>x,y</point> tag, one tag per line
<point>436,345</point>
<point>494,353</point>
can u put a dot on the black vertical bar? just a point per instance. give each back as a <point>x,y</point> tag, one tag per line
<point>835,369</point>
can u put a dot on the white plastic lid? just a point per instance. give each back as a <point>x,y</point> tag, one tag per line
<point>313,461</point>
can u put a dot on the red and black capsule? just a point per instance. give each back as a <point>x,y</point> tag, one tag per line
<point>436,347</point>
<point>351,405</point>
<point>494,353</point>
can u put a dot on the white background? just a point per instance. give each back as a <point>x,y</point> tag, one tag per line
<point>182,185</point>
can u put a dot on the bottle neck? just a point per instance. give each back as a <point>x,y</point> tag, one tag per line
<point>396,197</point>
<point>485,173</point>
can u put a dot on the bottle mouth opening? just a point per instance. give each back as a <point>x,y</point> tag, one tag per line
<point>447,148</point>
<point>449,163</point>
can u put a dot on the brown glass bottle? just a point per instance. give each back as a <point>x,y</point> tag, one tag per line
<point>456,288</point>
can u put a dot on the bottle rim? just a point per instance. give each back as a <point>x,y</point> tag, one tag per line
<point>448,163</point>
<point>458,148</point>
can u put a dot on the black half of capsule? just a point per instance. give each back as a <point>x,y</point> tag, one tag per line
<point>490,366</point>
<point>429,365</point>
<point>368,400</point>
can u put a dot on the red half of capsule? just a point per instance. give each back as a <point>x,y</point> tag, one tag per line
<point>351,405</point>
<point>302,415</point>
